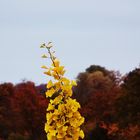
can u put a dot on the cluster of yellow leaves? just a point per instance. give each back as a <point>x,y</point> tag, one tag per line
<point>63,117</point>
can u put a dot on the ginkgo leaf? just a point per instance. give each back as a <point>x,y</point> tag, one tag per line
<point>49,45</point>
<point>50,92</point>
<point>56,63</point>
<point>47,73</point>
<point>73,83</point>
<point>43,46</point>
<point>81,134</point>
<point>63,117</point>
<point>44,56</point>
<point>50,84</point>
<point>44,67</point>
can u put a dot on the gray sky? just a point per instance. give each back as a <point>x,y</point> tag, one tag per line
<point>84,32</point>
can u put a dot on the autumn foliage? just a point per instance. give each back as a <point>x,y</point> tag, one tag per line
<point>22,111</point>
<point>63,118</point>
<point>110,104</point>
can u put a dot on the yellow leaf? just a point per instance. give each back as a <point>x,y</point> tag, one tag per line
<point>50,92</point>
<point>48,73</point>
<point>44,67</point>
<point>50,107</point>
<point>56,76</point>
<point>46,127</point>
<point>73,83</point>
<point>56,100</point>
<point>81,134</point>
<point>50,84</point>
<point>56,62</point>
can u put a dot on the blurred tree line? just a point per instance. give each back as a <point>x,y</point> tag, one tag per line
<point>109,102</point>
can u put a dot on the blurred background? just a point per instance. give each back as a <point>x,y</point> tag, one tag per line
<point>83,33</point>
<point>97,42</point>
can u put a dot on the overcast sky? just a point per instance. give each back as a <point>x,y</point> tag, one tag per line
<point>84,32</point>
